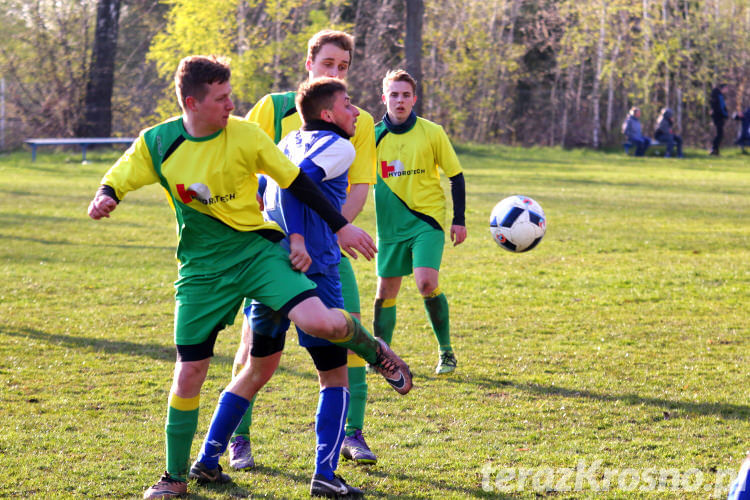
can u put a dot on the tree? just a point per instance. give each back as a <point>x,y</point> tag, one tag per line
<point>97,115</point>
<point>413,45</point>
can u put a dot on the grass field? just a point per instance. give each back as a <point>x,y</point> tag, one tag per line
<point>609,362</point>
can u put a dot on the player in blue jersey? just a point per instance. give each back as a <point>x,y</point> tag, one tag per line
<point>321,148</point>
<point>322,151</point>
<point>329,54</point>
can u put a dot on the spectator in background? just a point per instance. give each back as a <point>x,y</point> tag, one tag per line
<point>743,137</point>
<point>632,129</point>
<point>664,133</point>
<point>719,115</point>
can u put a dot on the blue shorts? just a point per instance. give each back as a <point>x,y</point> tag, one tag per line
<point>269,323</point>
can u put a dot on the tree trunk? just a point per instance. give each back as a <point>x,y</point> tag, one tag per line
<point>97,116</point>
<point>413,46</point>
<point>598,73</point>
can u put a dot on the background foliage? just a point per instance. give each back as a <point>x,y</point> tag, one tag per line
<point>519,72</point>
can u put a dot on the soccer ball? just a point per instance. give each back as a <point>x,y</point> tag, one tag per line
<point>517,223</point>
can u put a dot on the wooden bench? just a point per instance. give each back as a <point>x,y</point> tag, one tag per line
<point>84,142</point>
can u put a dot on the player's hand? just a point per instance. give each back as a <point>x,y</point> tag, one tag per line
<point>101,206</point>
<point>353,239</point>
<point>298,255</point>
<point>458,234</point>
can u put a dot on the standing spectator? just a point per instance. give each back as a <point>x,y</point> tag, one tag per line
<point>743,137</point>
<point>664,133</point>
<point>719,115</point>
<point>634,132</point>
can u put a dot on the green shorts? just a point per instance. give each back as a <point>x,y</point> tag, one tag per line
<point>349,288</point>
<point>400,258</point>
<point>207,303</point>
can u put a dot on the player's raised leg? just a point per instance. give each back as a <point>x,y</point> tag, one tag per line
<point>338,326</point>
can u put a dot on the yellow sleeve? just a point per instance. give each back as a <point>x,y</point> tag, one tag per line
<point>133,170</point>
<point>263,114</point>
<point>445,155</point>
<point>271,161</point>
<point>362,170</point>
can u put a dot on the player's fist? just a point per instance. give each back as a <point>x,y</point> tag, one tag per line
<point>101,206</point>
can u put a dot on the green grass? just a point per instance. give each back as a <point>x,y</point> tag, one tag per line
<point>622,338</point>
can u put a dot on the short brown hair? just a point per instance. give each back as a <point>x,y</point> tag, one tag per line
<point>195,73</point>
<point>399,75</point>
<point>316,95</point>
<point>340,39</point>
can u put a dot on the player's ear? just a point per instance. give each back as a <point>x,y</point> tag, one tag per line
<point>190,103</point>
<point>382,98</point>
<point>308,64</point>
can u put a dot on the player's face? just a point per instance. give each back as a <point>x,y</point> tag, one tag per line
<point>399,99</point>
<point>214,109</point>
<point>331,61</point>
<point>344,113</point>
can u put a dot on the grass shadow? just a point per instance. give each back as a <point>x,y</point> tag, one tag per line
<point>153,351</point>
<point>723,410</point>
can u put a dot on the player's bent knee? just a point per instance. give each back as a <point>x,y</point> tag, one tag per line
<point>320,322</point>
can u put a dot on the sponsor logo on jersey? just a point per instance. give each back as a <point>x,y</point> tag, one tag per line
<point>397,169</point>
<point>202,193</point>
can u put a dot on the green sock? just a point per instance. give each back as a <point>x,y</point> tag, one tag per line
<point>182,422</point>
<point>247,420</point>
<point>384,319</point>
<point>355,419</point>
<point>436,306</point>
<point>358,339</point>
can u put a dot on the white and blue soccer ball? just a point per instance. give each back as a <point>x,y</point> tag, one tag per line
<point>517,223</point>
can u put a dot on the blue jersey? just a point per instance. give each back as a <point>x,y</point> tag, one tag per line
<point>325,157</point>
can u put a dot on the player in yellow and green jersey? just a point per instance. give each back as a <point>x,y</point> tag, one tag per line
<point>329,54</point>
<point>206,160</point>
<point>410,210</point>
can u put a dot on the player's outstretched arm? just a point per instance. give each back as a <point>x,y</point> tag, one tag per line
<point>351,238</point>
<point>102,205</point>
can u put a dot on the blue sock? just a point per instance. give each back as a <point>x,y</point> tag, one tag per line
<point>330,421</point>
<point>229,412</point>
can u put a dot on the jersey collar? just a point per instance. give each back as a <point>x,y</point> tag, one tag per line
<point>403,127</point>
<point>324,125</point>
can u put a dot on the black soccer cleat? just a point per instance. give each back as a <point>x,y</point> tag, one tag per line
<point>204,475</point>
<point>333,488</point>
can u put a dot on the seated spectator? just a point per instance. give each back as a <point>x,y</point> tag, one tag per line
<point>743,138</point>
<point>664,133</point>
<point>634,132</point>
